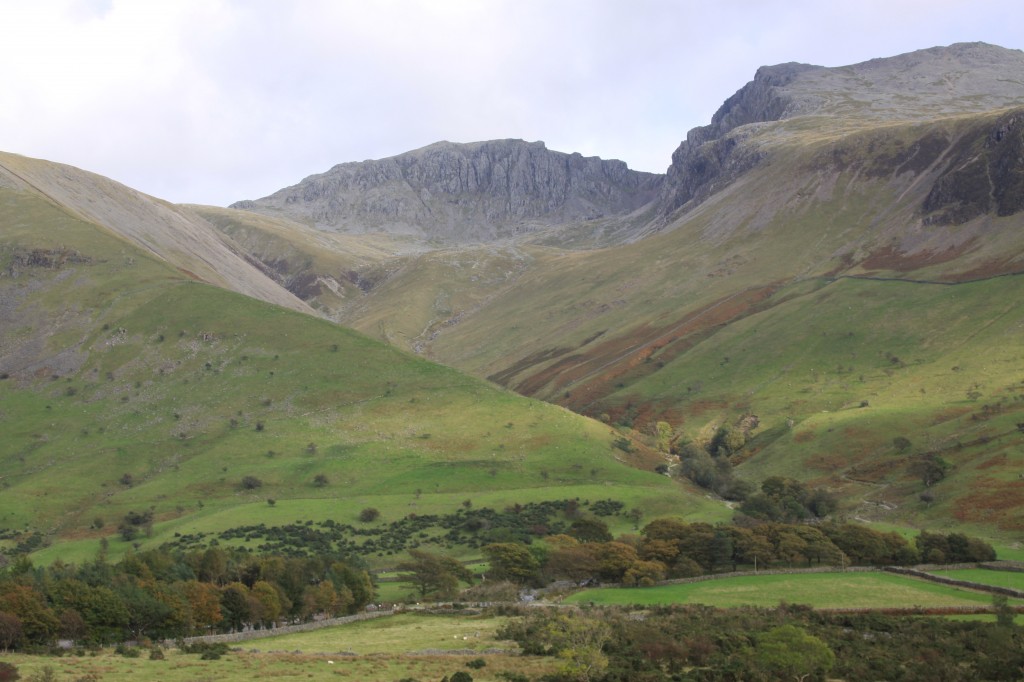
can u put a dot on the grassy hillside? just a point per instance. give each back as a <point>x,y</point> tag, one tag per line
<point>129,388</point>
<point>826,277</point>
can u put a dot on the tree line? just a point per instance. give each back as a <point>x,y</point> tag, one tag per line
<point>669,548</point>
<point>162,595</point>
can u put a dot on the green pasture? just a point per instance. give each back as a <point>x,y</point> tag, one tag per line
<point>819,590</point>
<point>401,633</point>
<point>178,391</point>
<point>389,648</point>
<point>984,618</point>
<point>984,576</point>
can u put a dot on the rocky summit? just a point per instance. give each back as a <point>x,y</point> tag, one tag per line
<point>464,193</point>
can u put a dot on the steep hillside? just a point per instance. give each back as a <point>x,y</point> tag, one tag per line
<point>168,232</point>
<point>835,237</point>
<point>129,391</point>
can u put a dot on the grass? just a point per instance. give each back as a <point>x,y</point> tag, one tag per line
<point>646,330</point>
<point>244,666</point>
<point>1010,579</point>
<point>819,590</point>
<point>188,388</point>
<point>387,648</point>
<point>402,633</point>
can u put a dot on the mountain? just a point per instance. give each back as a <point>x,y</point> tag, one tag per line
<point>134,393</point>
<point>838,253</point>
<point>159,228</point>
<point>825,285</point>
<point>941,82</point>
<point>463,193</point>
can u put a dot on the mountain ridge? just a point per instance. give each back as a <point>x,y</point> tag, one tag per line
<point>795,270</point>
<point>471,192</point>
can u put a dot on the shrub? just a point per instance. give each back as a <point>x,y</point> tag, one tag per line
<point>45,674</point>
<point>8,672</point>
<point>476,663</point>
<point>208,651</point>
<point>369,514</point>
<point>123,649</point>
<point>251,482</point>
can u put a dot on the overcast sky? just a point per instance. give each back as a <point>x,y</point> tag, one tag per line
<point>212,101</point>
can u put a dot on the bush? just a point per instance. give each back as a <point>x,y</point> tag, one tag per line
<point>127,651</point>
<point>476,663</point>
<point>251,483</point>
<point>8,672</point>
<point>369,514</point>
<point>46,674</point>
<point>208,651</point>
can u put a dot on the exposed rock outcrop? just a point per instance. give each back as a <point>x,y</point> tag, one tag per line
<point>984,175</point>
<point>464,192</point>
<point>920,85</point>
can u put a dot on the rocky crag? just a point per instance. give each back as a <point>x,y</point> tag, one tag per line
<point>464,193</point>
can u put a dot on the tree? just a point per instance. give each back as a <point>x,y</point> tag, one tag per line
<point>789,652</point>
<point>579,641</point>
<point>146,613</point>
<point>320,480</point>
<point>38,622</point>
<point>204,603</point>
<point>213,565</point>
<point>644,573</point>
<point>574,562</point>
<point>324,598</point>
<point>234,604</point>
<point>588,529</point>
<point>511,561</point>
<point>614,559</point>
<point>10,632</point>
<point>369,515</point>
<point>931,469</point>
<point>269,601</point>
<point>434,574</point>
<point>901,444</point>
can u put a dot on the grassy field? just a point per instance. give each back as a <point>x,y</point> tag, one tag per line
<point>175,392</point>
<point>402,633</point>
<point>820,590</point>
<point>387,649</point>
<point>246,666</point>
<point>1010,579</point>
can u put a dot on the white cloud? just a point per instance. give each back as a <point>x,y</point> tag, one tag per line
<point>213,101</point>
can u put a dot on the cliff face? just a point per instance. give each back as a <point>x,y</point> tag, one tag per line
<point>964,78</point>
<point>465,192</point>
<point>984,174</point>
<point>487,191</point>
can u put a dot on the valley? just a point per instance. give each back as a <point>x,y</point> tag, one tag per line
<point>799,346</point>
